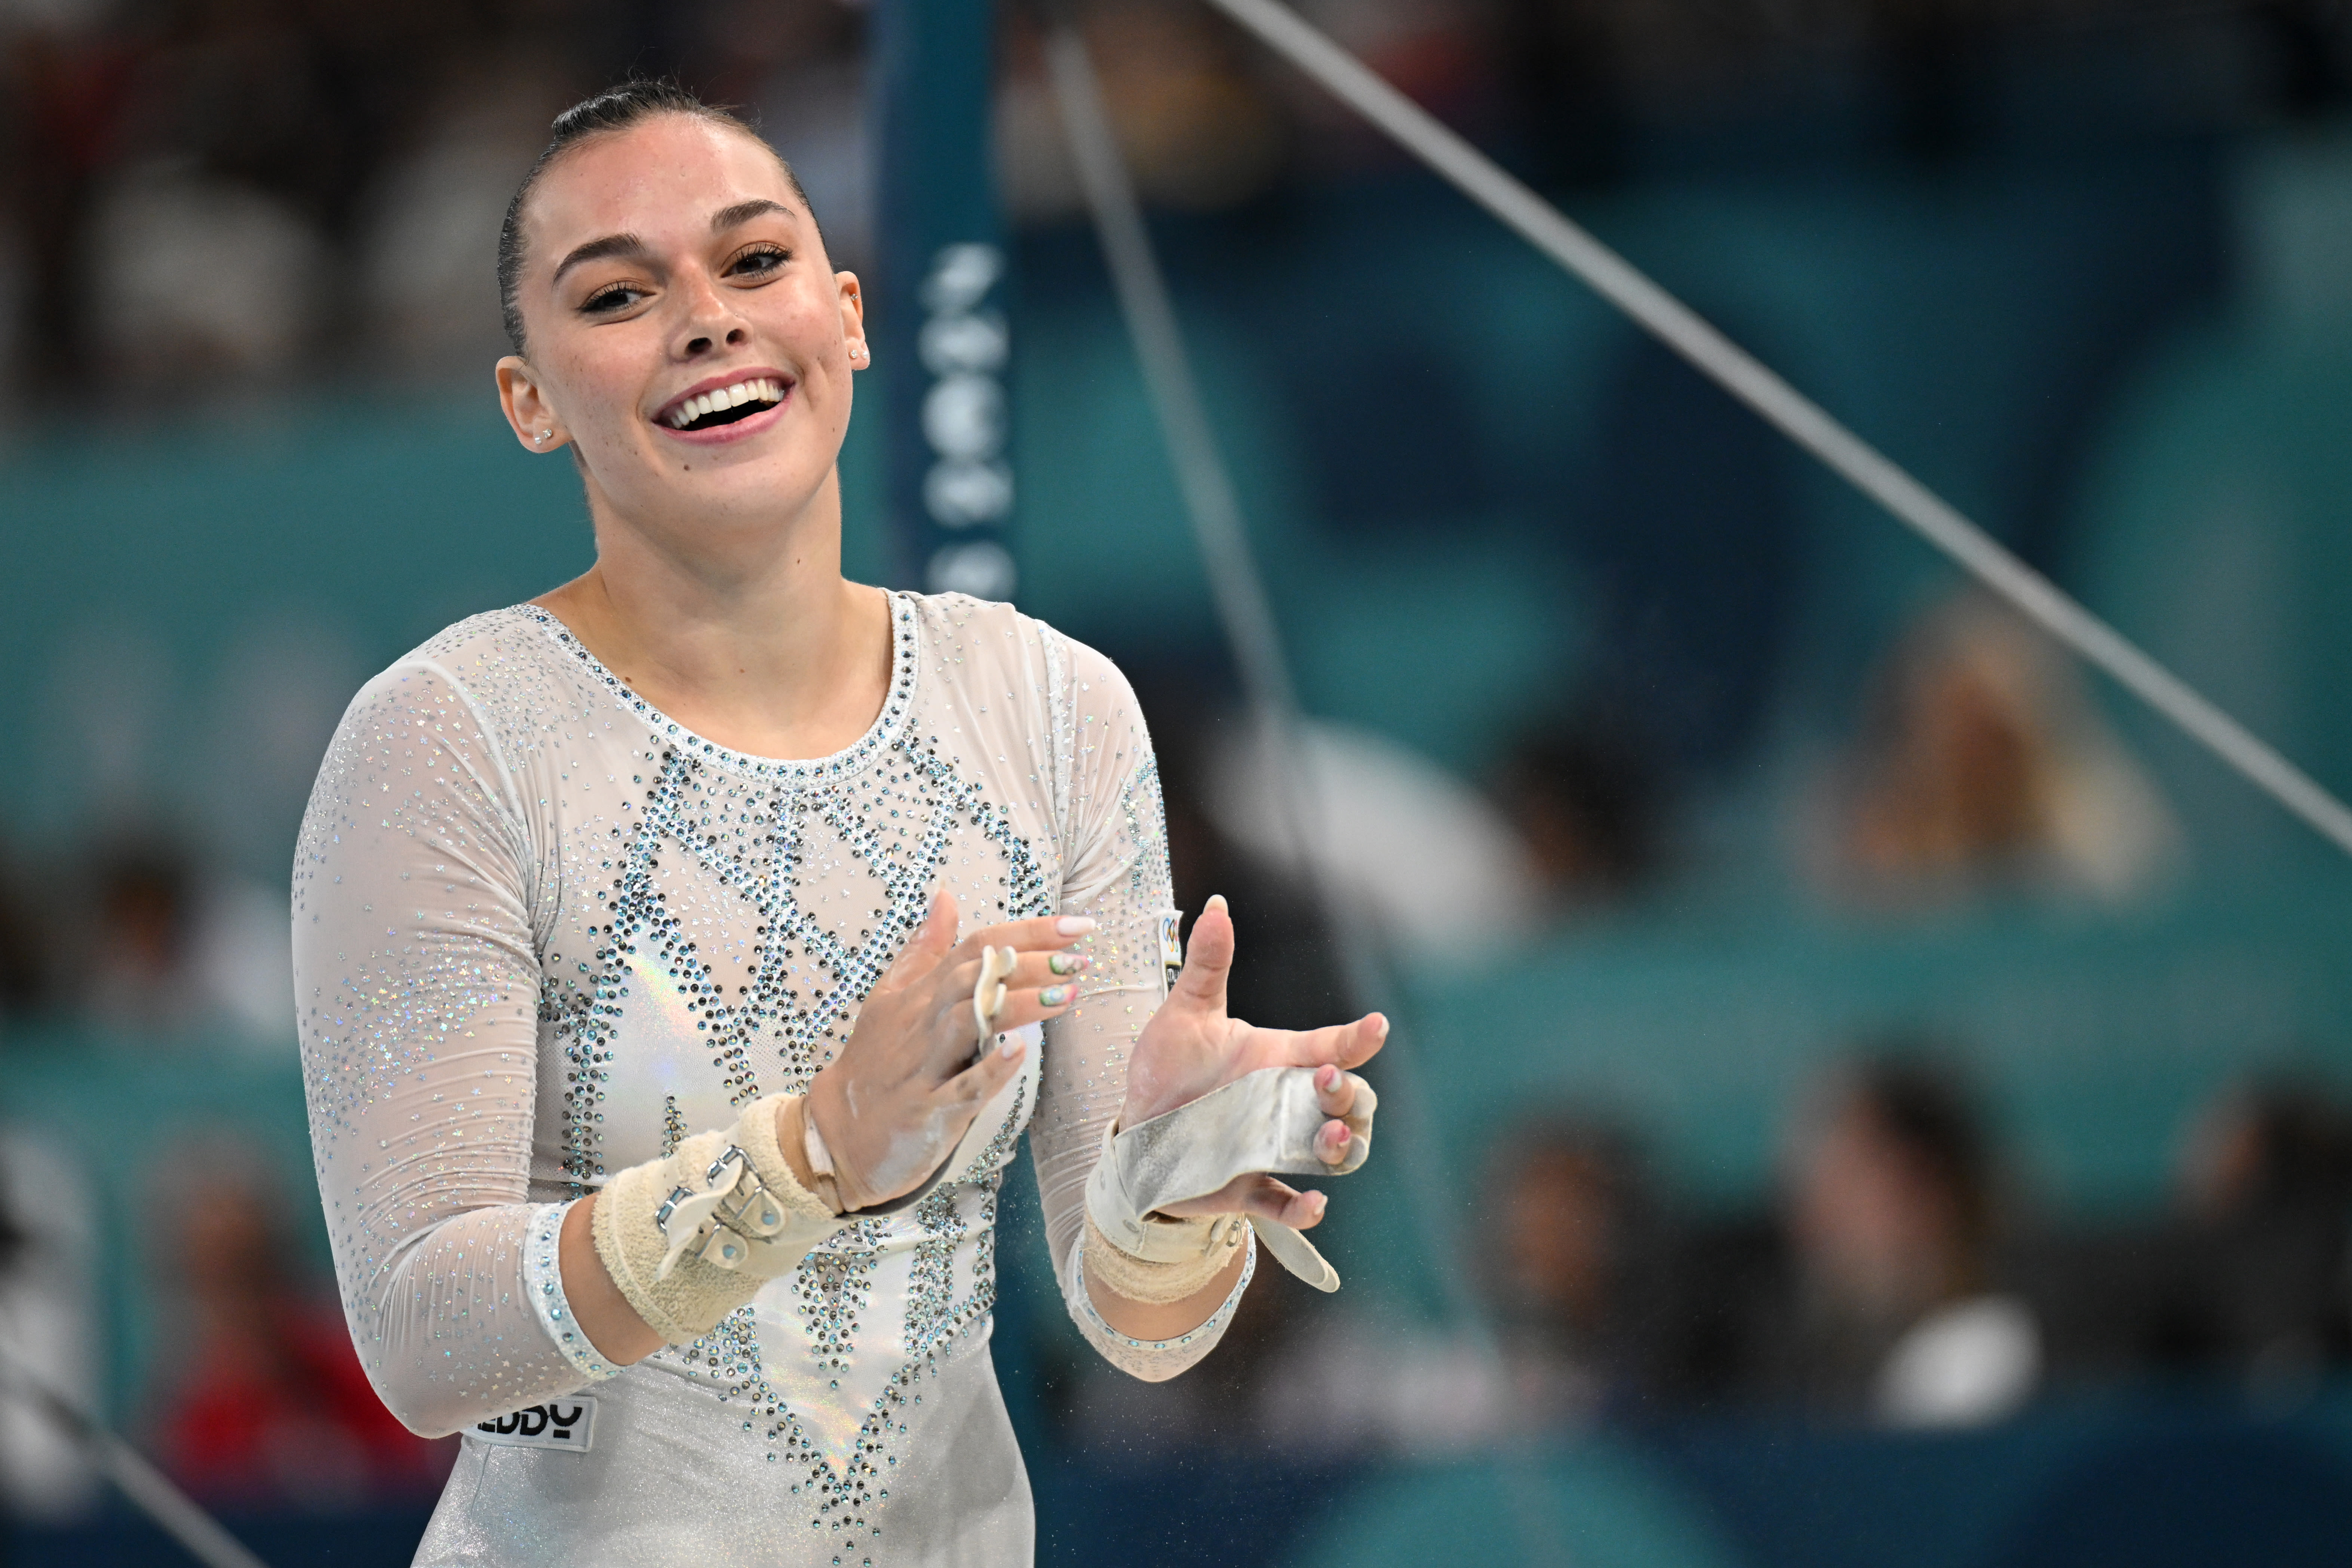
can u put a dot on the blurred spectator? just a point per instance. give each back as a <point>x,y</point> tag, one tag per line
<point>1890,1218</point>
<point>1574,1267</point>
<point>1571,1243</point>
<point>2265,1272</point>
<point>1587,811</point>
<point>1197,129</point>
<point>1982,765</point>
<point>1424,855</point>
<point>200,279</point>
<point>66,83</point>
<point>265,1401</point>
<point>429,228</point>
<point>164,952</point>
<point>137,973</point>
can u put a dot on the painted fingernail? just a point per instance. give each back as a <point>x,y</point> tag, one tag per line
<point>1052,995</point>
<point>1009,1046</point>
<point>1073,925</point>
<point>1068,962</point>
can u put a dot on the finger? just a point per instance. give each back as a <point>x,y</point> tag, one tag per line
<point>1331,1141</point>
<point>1259,1195</point>
<point>989,1073</point>
<point>1208,959</point>
<point>1034,1006</point>
<point>1284,1204</point>
<point>926,947</point>
<point>1040,935</point>
<point>1335,1089</point>
<point>1031,971</point>
<point>1340,1044</point>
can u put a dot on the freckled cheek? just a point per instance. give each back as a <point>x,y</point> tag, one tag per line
<point>810,328</point>
<point>600,390</point>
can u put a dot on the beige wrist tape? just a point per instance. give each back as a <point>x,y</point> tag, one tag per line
<point>1190,1253</point>
<point>1264,1121</point>
<point>693,1235</point>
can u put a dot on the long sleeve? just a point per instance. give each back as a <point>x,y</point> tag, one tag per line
<point>1115,855</point>
<point>417,980</point>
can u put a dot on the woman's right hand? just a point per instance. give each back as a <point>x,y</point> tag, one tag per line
<point>892,1104</point>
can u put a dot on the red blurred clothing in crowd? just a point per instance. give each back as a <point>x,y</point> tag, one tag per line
<point>269,1407</point>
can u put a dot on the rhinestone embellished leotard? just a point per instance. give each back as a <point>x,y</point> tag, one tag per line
<point>541,933</point>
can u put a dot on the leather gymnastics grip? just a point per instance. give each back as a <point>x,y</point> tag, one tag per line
<point>1264,1121</point>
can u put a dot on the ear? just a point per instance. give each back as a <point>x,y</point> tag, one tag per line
<point>527,411</point>
<point>852,301</point>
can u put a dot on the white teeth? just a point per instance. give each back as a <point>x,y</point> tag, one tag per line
<point>735,396</point>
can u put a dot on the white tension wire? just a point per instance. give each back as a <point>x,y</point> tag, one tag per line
<point>1239,593</point>
<point>1797,416</point>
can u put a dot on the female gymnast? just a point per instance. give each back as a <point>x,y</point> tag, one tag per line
<point>680,954</point>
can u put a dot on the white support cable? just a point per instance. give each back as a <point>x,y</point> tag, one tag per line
<point>147,1488</point>
<point>1239,593</point>
<point>1803,421</point>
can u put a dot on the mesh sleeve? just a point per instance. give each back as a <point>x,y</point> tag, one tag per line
<point>417,980</point>
<point>1115,858</point>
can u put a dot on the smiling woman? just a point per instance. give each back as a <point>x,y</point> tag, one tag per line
<point>679,955</point>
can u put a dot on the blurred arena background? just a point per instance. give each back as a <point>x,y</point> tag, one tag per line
<point>1898,1096</point>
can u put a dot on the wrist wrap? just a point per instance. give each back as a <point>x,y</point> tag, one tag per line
<point>690,1237</point>
<point>1188,1254</point>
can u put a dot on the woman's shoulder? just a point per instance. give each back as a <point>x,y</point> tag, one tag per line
<point>487,661</point>
<point>987,634</point>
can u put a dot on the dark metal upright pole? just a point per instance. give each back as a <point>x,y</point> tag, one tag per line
<point>939,321</point>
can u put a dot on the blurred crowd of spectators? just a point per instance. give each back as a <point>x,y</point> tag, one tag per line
<point>1895,1281</point>
<point>263,192</point>
<point>241,191</point>
<point>135,940</point>
<point>1897,1276</point>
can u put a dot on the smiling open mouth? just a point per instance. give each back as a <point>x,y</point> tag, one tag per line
<point>709,410</point>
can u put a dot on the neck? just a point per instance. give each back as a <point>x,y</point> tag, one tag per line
<point>748,635</point>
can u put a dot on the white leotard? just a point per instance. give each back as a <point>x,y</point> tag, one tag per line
<point>541,933</point>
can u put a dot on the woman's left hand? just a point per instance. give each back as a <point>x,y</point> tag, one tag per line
<point>1190,1047</point>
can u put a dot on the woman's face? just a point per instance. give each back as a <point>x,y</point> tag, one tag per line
<point>685,332</point>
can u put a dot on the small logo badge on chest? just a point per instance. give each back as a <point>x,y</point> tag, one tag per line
<point>1171,943</point>
<point>568,1424</point>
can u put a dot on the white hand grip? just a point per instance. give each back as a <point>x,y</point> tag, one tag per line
<point>1264,1121</point>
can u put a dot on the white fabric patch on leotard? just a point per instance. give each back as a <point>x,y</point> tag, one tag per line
<point>567,1425</point>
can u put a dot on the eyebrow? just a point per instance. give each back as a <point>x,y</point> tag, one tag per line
<point>726,218</point>
<point>630,244</point>
<point>597,249</point>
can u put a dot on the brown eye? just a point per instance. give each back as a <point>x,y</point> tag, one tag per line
<point>605,301</point>
<point>758,261</point>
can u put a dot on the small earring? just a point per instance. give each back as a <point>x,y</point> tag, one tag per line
<point>541,438</point>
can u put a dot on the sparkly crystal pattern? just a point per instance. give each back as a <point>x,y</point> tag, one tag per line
<point>544,931</point>
<point>542,1280</point>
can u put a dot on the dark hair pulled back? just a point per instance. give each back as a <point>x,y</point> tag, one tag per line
<point>612,109</point>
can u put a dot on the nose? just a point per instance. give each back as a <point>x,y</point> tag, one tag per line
<point>710,320</point>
